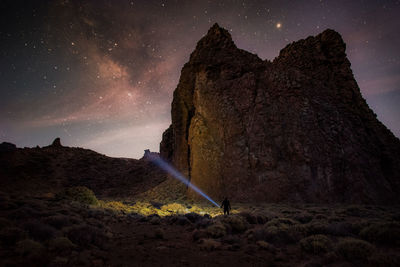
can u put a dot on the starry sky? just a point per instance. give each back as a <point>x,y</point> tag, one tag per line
<point>100,74</point>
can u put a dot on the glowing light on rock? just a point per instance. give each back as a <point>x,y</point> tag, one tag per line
<point>180,177</point>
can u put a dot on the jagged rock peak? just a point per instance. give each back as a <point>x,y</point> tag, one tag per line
<point>327,45</point>
<point>216,39</point>
<point>56,142</point>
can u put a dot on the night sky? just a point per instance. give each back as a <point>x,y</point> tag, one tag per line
<point>100,74</point>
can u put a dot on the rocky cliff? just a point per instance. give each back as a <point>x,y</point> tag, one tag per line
<point>294,129</point>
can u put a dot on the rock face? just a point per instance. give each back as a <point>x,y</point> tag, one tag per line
<point>294,129</point>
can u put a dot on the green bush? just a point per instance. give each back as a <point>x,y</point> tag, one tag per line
<point>81,194</point>
<point>316,244</point>
<point>383,233</point>
<point>354,249</point>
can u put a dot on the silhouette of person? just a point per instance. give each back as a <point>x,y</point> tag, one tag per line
<point>226,205</point>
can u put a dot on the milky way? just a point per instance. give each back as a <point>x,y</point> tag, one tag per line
<point>101,74</point>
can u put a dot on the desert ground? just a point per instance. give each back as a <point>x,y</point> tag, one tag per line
<point>75,228</point>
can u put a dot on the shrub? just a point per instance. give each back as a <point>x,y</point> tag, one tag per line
<point>61,244</point>
<point>303,217</point>
<point>193,217</point>
<point>81,194</point>
<point>266,246</point>
<point>199,234</point>
<point>340,229</point>
<point>235,223</point>
<point>316,244</point>
<point>29,248</point>
<point>10,235</point>
<point>4,223</point>
<point>316,228</point>
<point>58,221</point>
<point>159,233</point>
<point>384,260</point>
<point>84,235</point>
<point>354,249</point>
<point>40,231</point>
<point>231,239</point>
<point>280,221</point>
<point>383,233</point>
<point>216,230</point>
<point>250,218</point>
<point>209,244</point>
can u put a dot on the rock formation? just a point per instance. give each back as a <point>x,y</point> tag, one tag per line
<point>56,142</point>
<point>294,129</point>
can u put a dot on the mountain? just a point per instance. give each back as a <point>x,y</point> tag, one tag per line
<point>293,129</point>
<point>35,171</point>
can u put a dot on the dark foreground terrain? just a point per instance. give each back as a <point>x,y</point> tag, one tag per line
<point>73,228</point>
<point>62,206</point>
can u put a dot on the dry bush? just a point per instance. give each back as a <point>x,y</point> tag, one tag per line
<point>250,217</point>
<point>341,229</point>
<point>382,233</point>
<point>193,217</point>
<point>61,245</point>
<point>303,217</point>
<point>58,221</point>
<point>4,223</point>
<point>354,249</point>
<point>10,235</point>
<point>199,234</point>
<point>234,223</point>
<point>216,230</point>
<point>40,231</point>
<point>280,221</point>
<point>316,244</point>
<point>265,246</point>
<point>316,228</point>
<point>159,233</point>
<point>384,260</point>
<point>84,236</point>
<point>209,244</point>
<point>29,248</point>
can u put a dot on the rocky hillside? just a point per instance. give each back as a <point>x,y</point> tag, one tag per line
<point>36,171</point>
<point>294,129</point>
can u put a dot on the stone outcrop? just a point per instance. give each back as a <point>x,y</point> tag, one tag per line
<point>294,129</point>
<point>56,142</point>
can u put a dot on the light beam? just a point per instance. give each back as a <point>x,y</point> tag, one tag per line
<point>176,174</point>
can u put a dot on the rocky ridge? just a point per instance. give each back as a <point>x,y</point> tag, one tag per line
<point>293,129</point>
